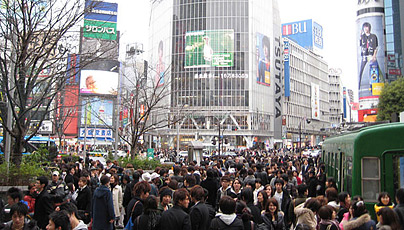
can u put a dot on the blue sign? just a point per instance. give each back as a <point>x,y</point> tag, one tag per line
<point>286,67</point>
<point>307,33</point>
<point>101,11</point>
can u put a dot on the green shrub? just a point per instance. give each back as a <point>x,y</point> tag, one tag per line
<point>23,175</point>
<point>139,163</point>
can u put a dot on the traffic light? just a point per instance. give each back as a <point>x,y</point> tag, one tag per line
<point>214,141</point>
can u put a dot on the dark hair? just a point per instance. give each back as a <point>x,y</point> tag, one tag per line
<point>389,217</point>
<point>301,189</point>
<point>150,204</point>
<point>176,170</point>
<point>210,173</point>
<point>265,42</point>
<point>179,195</point>
<point>325,212</point>
<point>258,180</point>
<point>19,208</point>
<point>70,209</point>
<point>265,199</point>
<point>104,180</point>
<point>331,194</point>
<point>197,192</point>
<point>331,182</point>
<point>237,179</point>
<point>247,195</point>
<point>313,204</point>
<point>243,211</point>
<point>359,208</point>
<point>227,205</point>
<point>141,188</point>
<point>116,178</point>
<point>367,24</point>
<point>14,193</point>
<point>43,180</point>
<point>381,195</point>
<point>274,202</point>
<point>278,181</point>
<point>225,178</point>
<point>342,196</point>
<point>191,180</point>
<point>400,195</point>
<point>61,219</point>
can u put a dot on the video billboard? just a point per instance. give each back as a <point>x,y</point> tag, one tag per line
<point>371,47</point>
<point>209,48</point>
<point>98,82</point>
<point>96,111</point>
<point>263,60</point>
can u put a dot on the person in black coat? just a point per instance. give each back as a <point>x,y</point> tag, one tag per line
<point>43,203</point>
<point>247,197</point>
<point>176,218</point>
<point>128,193</point>
<point>83,200</point>
<point>135,206</point>
<point>199,213</point>
<point>102,205</point>
<point>227,220</point>
<point>150,219</point>
<point>312,184</point>
<point>212,185</point>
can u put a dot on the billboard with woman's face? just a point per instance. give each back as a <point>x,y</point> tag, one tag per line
<point>98,82</point>
<point>263,60</point>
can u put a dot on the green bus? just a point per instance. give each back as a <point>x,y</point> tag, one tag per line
<point>367,162</point>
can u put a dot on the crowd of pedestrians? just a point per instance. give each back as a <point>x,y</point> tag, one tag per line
<point>253,191</point>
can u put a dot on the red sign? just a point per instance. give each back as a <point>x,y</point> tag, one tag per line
<point>367,115</point>
<point>355,106</point>
<point>394,72</point>
<point>70,109</point>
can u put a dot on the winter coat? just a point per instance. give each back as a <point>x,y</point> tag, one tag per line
<point>43,208</point>
<point>150,221</point>
<point>175,218</point>
<point>226,222</point>
<point>117,199</point>
<point>278,224</point>
<point>212,185</point>
<point>83,202</point>
<point>199,214</point>
<point>28,225</point>
<point>363,222</point>
<point>103,208</point>
<point>134,209</point>
<point>221,193</point>
<point>31,202</point>
<point>399,210</point>
<point>305,216</point>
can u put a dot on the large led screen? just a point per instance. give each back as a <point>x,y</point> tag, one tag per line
<point>209,48</point>
<point>98,82</point>
<point>263,60</point>
<point>97,112</point>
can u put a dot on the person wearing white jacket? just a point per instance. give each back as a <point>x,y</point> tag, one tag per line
<point>117,198</point>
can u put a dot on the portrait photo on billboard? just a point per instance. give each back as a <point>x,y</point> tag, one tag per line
<point>97,112</point>
<point>160,66</point>
<point>209,48</point>
<point>98,82</point>
<point>263,60</point>
<point>370,54</point>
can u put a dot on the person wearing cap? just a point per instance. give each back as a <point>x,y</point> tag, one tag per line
<point>154,189</point>
<point>166,195</point>
<point>57,189</point>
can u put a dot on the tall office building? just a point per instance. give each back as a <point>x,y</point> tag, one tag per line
<point>394,16</point>
<point>223,61</point>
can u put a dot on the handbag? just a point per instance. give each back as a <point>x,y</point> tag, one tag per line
<point>130,224</point>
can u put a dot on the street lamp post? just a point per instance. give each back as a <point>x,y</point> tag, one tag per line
<point>300,133</point>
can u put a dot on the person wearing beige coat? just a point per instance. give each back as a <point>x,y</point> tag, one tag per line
<point>117,198</point>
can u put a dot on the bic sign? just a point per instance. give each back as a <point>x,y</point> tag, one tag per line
<point>295,28</point>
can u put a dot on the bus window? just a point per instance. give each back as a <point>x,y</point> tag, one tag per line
<point>370,178</point>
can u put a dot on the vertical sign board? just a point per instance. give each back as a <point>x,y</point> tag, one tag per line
<point>286,51</point>
<point>263,60</point>
<point>278,85</point>
<point>344,100</point>
<point>371,48</point>
<point>315,101</point>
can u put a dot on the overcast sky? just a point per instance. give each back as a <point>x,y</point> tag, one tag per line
<point>337,17</point>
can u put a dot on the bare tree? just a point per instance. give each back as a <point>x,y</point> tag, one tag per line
<point>33,61</point>
<point>145,95</point>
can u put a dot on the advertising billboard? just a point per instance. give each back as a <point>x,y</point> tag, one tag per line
<point>70,109</point>
<point>367,115</point>
<point>102,49</point>
<point>98,82</point>
<point>99,29</point>
<point>100,20</point>
<point>371,46</point>
<point>315,101</point>
<point>209,48</point>
<point>286,68</point>
<point>97,112</point>
<point>96,132</point>
<point>307,33</point>
<point>73,69</point>
<point>263,60</point>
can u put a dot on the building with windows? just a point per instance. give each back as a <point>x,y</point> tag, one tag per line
<point>306,106</point>
<point>335,97</point>
<point>223,62</point>
<point>394,17</point>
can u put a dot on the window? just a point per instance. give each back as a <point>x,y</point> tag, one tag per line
<point>370,178</point>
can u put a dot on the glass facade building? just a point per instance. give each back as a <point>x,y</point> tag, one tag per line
<point>212,54</point>
<point>393,11</point>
